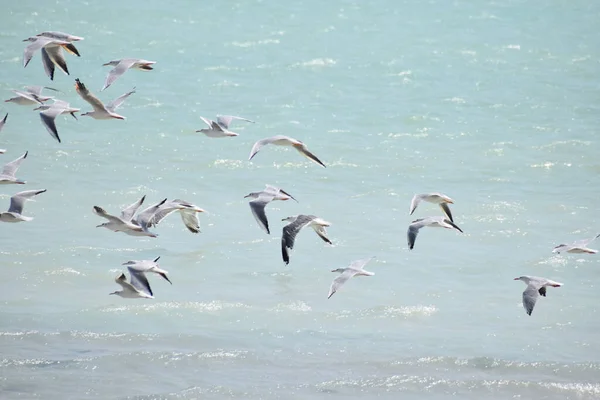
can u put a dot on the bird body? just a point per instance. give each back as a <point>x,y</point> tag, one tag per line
<point>435,222</point>
<point>17,202</point>
<point>577,247</point>
<point>121,66</point>
<point>281,140</point>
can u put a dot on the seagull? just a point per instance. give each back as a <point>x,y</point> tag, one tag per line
<point>143,266</point>
<point>2,122</point>
<point>51,49</point>
<point>31,96</point>
<point>220,128</point>
<point>435,198</point>
<point>188,212</point>
<point>296,223</point>
<point>60,36</point>
<point>7,176</point>
<point>16,206</point>
<point>261,199</point>
<point>120,66</point>
<point>49,114</point>
<point>100,110</point>
<point>281,140</point>
<point>356,268</point>
<point>137,227</point>
<point>535,286</point>
<point>416,225</point>
<point>137,287</point>
<point>579,246</point>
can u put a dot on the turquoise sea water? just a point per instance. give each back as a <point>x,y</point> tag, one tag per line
<point>492,103</point>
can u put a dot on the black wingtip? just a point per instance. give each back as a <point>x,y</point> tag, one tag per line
<point>156,259</point>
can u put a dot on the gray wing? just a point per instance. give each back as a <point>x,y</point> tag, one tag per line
<point>3,121</point>
<point>49,120</point>
<point>414,203</point>
<point>117,71</point>
<point>260,144</point>
<point>207,121</point>
<point>139,281</point>
<point>413,231</point>
<point>215,126</point>
<point>128,212</point>
<point>18,200</point>
<point>113,105</point>
<point>257,206</point>
<point>339,281</point>
<point>85,94</point>
<point>28,96</point>
<point>320,230</point>
<point>585,242</point>
<point>32,48</point>
<point>101,212</point>
<point>360,264</point>
<point>11,168</point>
<point>303,150</point>
<point>57,57</point>
<point>290,231</point>
<point>190,220</point>
<point>144,218</point>
<point>530,296</point>
<point>446,209</point>
<point>37,90</point>
<point>225,120</point>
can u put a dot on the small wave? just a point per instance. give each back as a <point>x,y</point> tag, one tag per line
<point>386,312</point>
<point>229,164</point>
<point>219,354</point>
<point>299,306</point>
<point>317,62</point>
<point>63,271</point>
<point>257,43</point>
<point>187,305</point>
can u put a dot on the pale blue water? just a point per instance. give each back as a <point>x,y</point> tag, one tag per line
<point>493,103</point>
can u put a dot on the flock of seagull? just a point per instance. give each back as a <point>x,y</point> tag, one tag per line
<point>131,222</point>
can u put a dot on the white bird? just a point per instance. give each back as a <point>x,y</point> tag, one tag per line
<point>436,198</point>
<point>296,223</point>
<point>7,176</point>
<point>60,36</point>
<point>137,227</point>
<point>220,128</point>
<point>101,111</point>
<point>17,202</point>
<point>187,211</point>
<point>281,140</point>
<point>436,222</point>
<point>121,66</point>
<point>31,96</point>
<point>579,246</point>
<point>261,199</point>
<point>144,266</point>
<point>535,287</point>
<point>356,268</point>
<point>51,49</point>
<point>50,112</point>
<point>137,287</point>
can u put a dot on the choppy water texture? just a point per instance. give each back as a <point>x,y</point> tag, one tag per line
<point>493,103</point>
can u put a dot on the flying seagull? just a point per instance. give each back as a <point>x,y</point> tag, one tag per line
<point>296,223</point>
<point>281,140</point>
<point>579,246</point>
<point>435,198</point>
<point>416,225</point>
<point>137,287</point>
<point>17,202</point>
<point>31,96</point>
<point>121,66</point>
<point>220,128</point>
<point>101,111</point>
<point>144,266</point>
<point>51,50</point>
<point>133,227</point>
<point>50,112</point>
<point>535,287</point>
<point>7,176</point>
<point>2,122</point>
<point>261,199</point>
<point>356,268</point>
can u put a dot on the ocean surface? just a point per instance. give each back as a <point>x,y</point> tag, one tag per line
<point>493,103</point>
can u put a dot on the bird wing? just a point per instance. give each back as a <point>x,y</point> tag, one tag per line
<point>414,203</point>
<point>117,71</point>
<point>225,120</point>
<point>144,218</point>
<point>304,151</point>
<point>530,296</point>
<point>207,121</point>
<point>360,264</point>
<point>413,231</point>
<point>340,280</point>
<point>37,90</point>
<point>259,145</point>
<point>101,212</point>
<point>585,242</point>
<point>57,57</point>
<point>257,206</point>
<point>11,168</point>
<point>49,120</point>
<point>449,222</point>
<point>85,94</point>
<point>290,231</point>
<point>18,200</point>
<point>3,121</point>
<point>128,212</point>
<point>139,281</point>
<point>28,96</point>
<point>30,50</point>
<point>48,64</point>
<point>320,230</point>
<point>190,220</point>
<point>113,105</point>
<point>446,209</point>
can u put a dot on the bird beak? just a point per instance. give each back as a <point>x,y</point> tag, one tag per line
<point>99,226</point>
<point>516,279</point>
<point>246,196</point>
<point>105,64</point>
